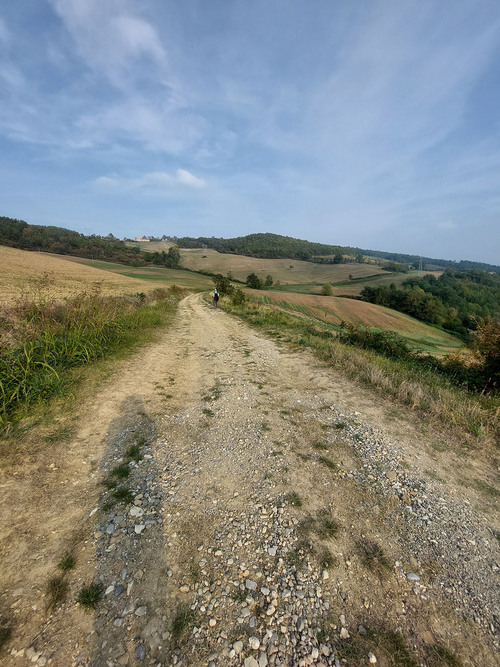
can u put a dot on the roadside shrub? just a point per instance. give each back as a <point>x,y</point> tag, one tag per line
<point>238,297</point>
<point>387,343</point>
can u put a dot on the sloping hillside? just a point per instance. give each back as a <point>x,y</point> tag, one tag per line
<point>333,310</point>
<point>24,271</point>
<point>284,270</point>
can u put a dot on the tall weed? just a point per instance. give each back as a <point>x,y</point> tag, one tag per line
<point>43,339</point>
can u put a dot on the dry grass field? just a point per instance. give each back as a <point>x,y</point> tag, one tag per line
<point>334,310</point>
<point>285,270</point>
<point>24,273</point>
<point>150,274</point>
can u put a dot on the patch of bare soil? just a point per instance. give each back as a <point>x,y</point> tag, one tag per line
<point>236,503</point>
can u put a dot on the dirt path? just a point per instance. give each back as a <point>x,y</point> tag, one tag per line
<point>276,515</point>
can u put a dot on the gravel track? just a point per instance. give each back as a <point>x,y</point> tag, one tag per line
<point>258,496</point>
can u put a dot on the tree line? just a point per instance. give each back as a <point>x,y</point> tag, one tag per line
<point>59,240</point>
<point>264,246</point>
<point>456,301</point>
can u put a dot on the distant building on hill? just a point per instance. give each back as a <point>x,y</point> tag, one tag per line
<point>142,239</point>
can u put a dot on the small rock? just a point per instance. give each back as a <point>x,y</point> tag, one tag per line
<point>184,588</point>
<point>251,662</point>
<point>141,611</point>
<point>391,476</point>
<point>263,662</point>
<point>251,585</point>
<point>344,633</point>
<point>140,652</point>
<point>238,647</point>
<point>139,527</point>
<point>411,576</point>
<point>254,643</point>
<point>372,658</point>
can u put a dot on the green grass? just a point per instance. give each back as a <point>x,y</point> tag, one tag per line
<point>294,499</point>
<point>239,595</point>
<point>90,595</point>
<point>67,562</point>
<point>56,591</point>
<point>123,494</point>
<point>121,471</point>
<point>183,620</point>
<point>385,644</point>
<point>372,556</point>
<point>320,445</point>
<point>327,462</point>
<point>326,526</point>
<point>442,656</point>
<point>134,453</point>
<point>53,338</point>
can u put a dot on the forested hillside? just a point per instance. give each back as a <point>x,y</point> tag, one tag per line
<point>19,234</point>
<point>455,300</point>
<point>265,246</point>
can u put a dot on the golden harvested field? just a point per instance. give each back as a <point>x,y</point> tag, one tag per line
<point>150,274</point>
<point>334,310</point>
<point>285,270</point>
<point>23,272</point>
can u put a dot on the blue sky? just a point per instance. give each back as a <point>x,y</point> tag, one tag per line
<point>370,123</point>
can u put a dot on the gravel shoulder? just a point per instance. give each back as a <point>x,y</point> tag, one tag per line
<point>279,515</point>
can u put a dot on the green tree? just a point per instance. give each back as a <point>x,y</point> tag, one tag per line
<point>254,281</point>
<point>173,257</point>
<point>269,280</point>
<point>327,289</point>
<point>222,284</point>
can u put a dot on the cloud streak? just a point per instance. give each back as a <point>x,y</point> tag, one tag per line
<point>156,182</point>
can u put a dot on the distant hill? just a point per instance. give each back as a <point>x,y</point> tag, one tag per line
<point>428,262</point>
<point>264,246</point>
<point>275,246</point>
<point>20,234</point>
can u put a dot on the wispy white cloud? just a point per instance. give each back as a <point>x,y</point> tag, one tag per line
<point>111,38</point>
<point>156,182</point>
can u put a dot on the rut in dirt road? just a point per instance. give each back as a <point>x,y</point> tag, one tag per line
<point>266,524</point>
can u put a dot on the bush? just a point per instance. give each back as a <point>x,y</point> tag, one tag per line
<point>238,297</point>
<point>389,343</point>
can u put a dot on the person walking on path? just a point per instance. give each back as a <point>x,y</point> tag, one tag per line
<point>215,296</point>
